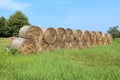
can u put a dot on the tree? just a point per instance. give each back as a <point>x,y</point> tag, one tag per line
<point>15,22</point>
<point>2,26</point>
<point>114,31</point>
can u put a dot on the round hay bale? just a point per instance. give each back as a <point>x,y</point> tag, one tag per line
<point>87,38</point>
<point>40,46</point>
<point>75,44</point>
<point>24,46</point>
<point>61,36</point>
<point>82,43</point>
<point>69,38</point>
<point>60,45</point>
<point>100,38</point>
<point>51,47</point>
<point>87,35</point>
<point>31,32</point>
<point>93,38</point>
<point>78,35</point>
<point>110,39</point>
<point>105,37</point>
<point>77,38</point>
<point>34,33</point>
<point>69,35</point>
<point>49,35</point>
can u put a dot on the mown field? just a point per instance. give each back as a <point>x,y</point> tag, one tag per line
<point>99,63</point>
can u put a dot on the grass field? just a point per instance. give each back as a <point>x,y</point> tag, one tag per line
<point>100,63</point>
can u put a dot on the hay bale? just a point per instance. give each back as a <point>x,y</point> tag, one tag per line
<point>60,45</point>
<point>93,38</point>
<point>48,47</point>
<point>34,33</point>
<point>82,44</point>
<point>99,38</point>
<point>105,39</point>
<point>49,35</point>
<point>49,39</point>
<point>110,39</point>
<point>61,35</point>
<point>77,38</point>
<point>24,46</point>
<point>74,44</point>
<point>78,35</point>
<point>87,38</point>
<point>51,47</point>
<point>31,32</point>
<point>69,35</point>
<point>69,38</point>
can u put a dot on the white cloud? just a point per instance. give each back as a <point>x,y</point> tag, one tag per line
<point>13,5</point>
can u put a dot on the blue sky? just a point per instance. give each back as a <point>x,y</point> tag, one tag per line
<point>92,15</point>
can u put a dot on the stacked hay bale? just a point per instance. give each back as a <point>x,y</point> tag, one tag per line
<point>109,39</point>
<point>24,46</point>
<point>93,38</point>
<point>105,39</point>
<point>61,37</point>
<point>35,39</point>
<point>69,38</point>
<point>87,38</point>
<point>77,38</point>
<point>99,38</point>
<point>33,33</point>
<point>49,37</point>
<point>79,41</point>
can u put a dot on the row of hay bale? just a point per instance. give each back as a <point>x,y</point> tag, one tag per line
<point>35,39</point>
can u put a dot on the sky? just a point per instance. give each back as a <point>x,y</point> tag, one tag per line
<point>92,15</point>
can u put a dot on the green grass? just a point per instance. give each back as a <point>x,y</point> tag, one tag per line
<point>100,63</point>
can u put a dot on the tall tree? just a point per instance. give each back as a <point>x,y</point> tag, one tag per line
<point>15,22</point>
<point>114,31</point>
<point>2,26</point>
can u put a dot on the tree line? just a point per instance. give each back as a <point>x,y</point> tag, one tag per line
<point>10,27</point>
<point>114,31</point>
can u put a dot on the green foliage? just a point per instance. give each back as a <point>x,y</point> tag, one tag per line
<point>99,63</point>
<point>114,31</point>
<point>2,26</point>
<point>117,40</point>
<point>11,26</point>
<point>15,22</point>
<point>14,52</point>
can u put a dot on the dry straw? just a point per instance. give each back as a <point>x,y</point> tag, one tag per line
<point>87,38</point>
<point>69,35</point>
<point>33,33</point>
<point>49,39</point>
<point>24,46</point>
<point>50,35</point>
<point>82,43</point>
<point>77,38</point>
<point>51,47</point>
<point>69,38</point>
<point>105,39</point>
<point>110,39</point>
<point>35,39</point>
<point>99,38</point>
<point>78,35</point>
<point>93,38</point>
<point>61,37</point>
